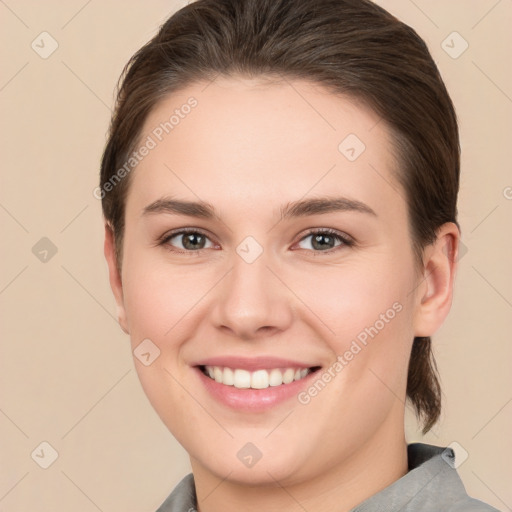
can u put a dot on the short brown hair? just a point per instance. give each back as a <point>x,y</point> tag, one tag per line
<point>352,47</point>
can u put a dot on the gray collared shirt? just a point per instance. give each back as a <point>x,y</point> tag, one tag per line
<point>431,485</point>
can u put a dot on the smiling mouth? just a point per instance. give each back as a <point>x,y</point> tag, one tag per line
<point>259,379</point>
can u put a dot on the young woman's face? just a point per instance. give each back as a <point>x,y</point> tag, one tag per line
<point>297,256</point>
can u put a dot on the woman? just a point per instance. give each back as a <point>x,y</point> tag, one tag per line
<point>279,190</point>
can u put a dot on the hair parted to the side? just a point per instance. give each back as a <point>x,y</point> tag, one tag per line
<point>351,47</point>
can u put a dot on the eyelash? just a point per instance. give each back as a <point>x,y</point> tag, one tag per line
<point>345,240</point>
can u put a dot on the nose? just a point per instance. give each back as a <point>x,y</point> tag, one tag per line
<point>252,302</point>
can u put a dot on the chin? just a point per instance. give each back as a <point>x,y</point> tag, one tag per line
<point>275,466</point>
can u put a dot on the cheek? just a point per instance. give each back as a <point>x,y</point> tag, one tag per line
<point>158,298</point>
<point>366,314</point>
<point>158,304</point>
<point>349,298</point>
<point>343,302</point>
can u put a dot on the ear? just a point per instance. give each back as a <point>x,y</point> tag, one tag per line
<point>435,291</point>
<point>115,277</point>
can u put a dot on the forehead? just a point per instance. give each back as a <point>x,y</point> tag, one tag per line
<point>235,138</point>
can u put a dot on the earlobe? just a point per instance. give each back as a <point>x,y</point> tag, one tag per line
<point>434,295</point>
<point>115,277</point>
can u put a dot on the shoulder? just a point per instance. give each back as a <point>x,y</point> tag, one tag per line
<point>182,498</point>
<point>432,484</point>
<point>444,488</point>
<point>471,505</point>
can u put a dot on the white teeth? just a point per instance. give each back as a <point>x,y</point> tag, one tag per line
<point>275,378</point>
<point>242,379</point>
<point>228,377</point>
<point>259,379</point>
<point>288,375</point>
<point>217,374</point>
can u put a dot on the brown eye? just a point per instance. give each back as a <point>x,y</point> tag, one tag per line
<point>193,241</point>
<point>188,241</point>
<point>323,240</point>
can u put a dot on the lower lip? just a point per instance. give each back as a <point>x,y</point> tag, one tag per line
<point>254,400</point>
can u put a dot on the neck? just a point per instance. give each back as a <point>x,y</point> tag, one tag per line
<point>376,465</point>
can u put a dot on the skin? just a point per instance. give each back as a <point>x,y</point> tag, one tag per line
<point>249,148</point>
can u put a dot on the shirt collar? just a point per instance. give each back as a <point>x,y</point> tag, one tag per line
<point>430,469</point>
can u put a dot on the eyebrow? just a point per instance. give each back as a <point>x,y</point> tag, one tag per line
<point>198,209</point>
<point>302,208</point>
<point>320,205</point>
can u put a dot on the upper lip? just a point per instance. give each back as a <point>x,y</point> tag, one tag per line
<point>252,363</point>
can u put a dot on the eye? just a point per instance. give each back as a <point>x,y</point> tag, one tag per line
<point>187,240</point>
<point>324,240</point>
<point>193,240</point>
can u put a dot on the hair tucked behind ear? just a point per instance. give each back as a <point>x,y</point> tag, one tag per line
<point>423,388</point>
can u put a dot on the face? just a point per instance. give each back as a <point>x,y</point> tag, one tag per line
<point>267,245</point>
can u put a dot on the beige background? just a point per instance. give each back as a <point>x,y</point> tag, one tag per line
<point>67,375</point>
